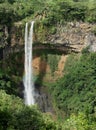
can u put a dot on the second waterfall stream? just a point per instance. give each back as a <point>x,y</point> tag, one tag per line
<point>28,78</point>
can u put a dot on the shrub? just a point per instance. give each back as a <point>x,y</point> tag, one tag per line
<point>76,90</point>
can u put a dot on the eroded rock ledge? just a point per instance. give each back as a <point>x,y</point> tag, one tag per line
<point>70,37</point>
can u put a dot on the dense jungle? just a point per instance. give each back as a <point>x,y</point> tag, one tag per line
<point>64,64</point>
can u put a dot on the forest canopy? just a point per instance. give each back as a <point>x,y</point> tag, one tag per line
<point>51,11</point>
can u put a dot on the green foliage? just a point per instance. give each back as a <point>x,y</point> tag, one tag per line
<point>72,11</point>
<point>6,83</point>
<point>53,62</point>
<point>94,30</point>
<point>85,50</point>
<point>50,12</point>
<point>91,16</point>
<point>8,106</point>
<point>79,122</point>
<point>1,34</point>
<point>6,13</point>
<point>76,90</point>
<point>10,77</point>
<point>52,30</point>
<point>14,115</point>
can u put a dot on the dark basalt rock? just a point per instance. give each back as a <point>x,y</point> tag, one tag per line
<point>43,99</point>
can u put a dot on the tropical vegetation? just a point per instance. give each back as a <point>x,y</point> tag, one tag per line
<point>73,95</point>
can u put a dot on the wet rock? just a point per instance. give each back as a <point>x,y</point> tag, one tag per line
<point>43,99</point>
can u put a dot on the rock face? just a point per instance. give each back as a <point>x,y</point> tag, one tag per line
<point>43,99</point>
<point>3,39</point>
<point>17,35</point>
<point>11,39</point>
<point>75,35</point>
<point>47,71</point>
<point>90,41</point>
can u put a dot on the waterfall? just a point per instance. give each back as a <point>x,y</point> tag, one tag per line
<point>28,79</point>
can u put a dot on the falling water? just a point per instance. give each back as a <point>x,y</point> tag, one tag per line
<point>28,80</point>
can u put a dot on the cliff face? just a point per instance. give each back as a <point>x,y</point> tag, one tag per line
<point>70,37</point>
<point>48,59</point>
<point>17,35</point>
<point>75,35</point>
<point>67,38</point>
<point>48,70</point>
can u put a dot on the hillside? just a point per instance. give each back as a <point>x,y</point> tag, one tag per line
<point>64,64</point>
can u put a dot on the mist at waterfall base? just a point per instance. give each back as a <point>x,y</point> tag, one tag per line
<point>29,91</point>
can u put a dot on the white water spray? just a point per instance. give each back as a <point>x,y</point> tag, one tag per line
<point>28,79</point>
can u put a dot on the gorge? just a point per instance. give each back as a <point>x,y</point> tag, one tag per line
<point>48,79</point>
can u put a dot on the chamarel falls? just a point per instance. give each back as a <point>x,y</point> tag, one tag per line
<point>28,77</point>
